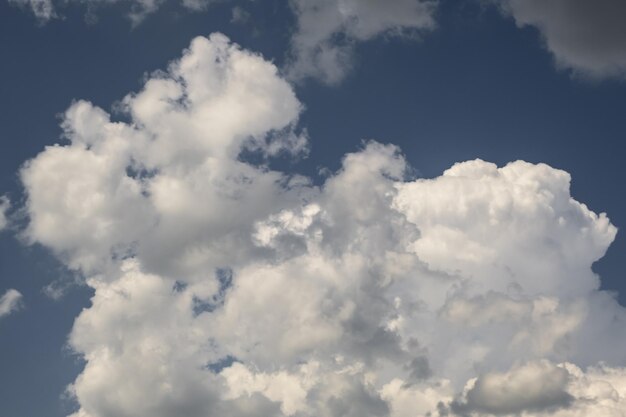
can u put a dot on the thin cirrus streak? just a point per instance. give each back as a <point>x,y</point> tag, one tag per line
<point>226,288</point>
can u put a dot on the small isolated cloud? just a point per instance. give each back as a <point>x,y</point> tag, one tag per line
<point>327,31</point>
<point>10,302</point>
<point>226,288</point>
<point>240,15</point>
<point>587,37</point>
<point>5,204</point>
<point>199,5</point>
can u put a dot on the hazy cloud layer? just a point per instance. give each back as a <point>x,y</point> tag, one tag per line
<point>224,288</point>
<point>588,37</point>
<point>10,302</point>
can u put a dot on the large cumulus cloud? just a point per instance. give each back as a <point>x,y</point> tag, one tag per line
<point>223,287</point>
<point>588,37</point>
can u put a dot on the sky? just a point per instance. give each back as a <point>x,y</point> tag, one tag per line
<point>312,208</point>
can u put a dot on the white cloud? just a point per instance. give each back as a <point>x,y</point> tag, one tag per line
<point>175,167</point>
<point>327,31</point>
<point>5,204</point>
<point>226,288</point>
<point>588,37</point>
<point>10,302</point>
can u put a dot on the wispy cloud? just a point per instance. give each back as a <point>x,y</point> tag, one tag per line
<point>327,31</point>
<point>5,205</point>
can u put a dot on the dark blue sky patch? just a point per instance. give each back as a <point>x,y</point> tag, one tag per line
<point>224,277</point>
<point>218,366</point>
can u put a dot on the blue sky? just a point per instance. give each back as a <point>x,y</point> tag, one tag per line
<point>499,82</point>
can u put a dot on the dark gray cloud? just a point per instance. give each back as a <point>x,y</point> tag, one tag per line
<point>357,402</point>
<point>588,37</point>
<point>533,387</point>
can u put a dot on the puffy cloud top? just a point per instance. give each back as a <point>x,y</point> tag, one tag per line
<point>223,287</point>
<point>175,166</point>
